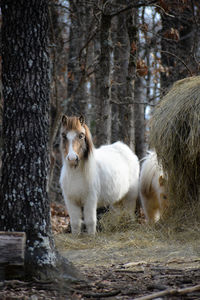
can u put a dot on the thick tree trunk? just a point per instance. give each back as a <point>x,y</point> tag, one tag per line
<point>23,195</point>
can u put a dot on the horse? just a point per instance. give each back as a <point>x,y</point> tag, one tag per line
<point>92,178</point>
<point>152,188</point>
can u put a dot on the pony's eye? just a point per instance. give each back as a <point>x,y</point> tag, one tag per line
<point>64,136</point>
<point>81,136</point>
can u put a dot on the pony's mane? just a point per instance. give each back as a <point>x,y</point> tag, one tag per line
<point>150,168</point>
<point>89,142</point>
<point>74,123</point>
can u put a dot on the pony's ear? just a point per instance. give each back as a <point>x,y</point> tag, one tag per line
<point>64,120</point>
<point>82,119</point>
<point>161,180</point>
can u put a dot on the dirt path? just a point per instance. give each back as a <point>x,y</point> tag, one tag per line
<point>130,265</point>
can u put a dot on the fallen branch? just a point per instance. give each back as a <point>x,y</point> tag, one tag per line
<point>101,295</point>
<point>171,292</point>
<point>129,271</point>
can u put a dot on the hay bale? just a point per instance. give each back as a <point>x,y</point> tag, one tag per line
<point>175,135</point>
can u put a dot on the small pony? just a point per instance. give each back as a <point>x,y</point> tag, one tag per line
<point>92,178</point>
<point>152,188</point>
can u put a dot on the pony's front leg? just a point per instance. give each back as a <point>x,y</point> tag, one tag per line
<point>90,215</point>
<point>75,214</point>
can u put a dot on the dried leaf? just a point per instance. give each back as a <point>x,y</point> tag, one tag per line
<point>133,47</point>
<point>70,75</point>
<point>142,68</point>
<point>172,34</point>
<point>144,27</point>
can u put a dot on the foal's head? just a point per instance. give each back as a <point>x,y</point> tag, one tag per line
<point>76,142</point>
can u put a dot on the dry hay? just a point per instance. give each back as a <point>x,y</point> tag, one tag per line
<point>175,135</point>
<point>136,243</point>
<point>117,220</point>
<point>119,224</point>
<point>120,231</point>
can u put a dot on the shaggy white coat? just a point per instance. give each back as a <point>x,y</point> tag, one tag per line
<point>108,175</point>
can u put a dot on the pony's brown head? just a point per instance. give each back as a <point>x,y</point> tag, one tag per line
<point>76,142</point>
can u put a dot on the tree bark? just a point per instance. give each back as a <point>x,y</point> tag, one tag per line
<point>139,115</point>
<point>120,109</point>
<point>114,86</point>
<point>139,107</point>
<point>133,38</point>
<point>103,83</point>
<point>25,75</point>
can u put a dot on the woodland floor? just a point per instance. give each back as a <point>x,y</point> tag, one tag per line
<point>130,264</point>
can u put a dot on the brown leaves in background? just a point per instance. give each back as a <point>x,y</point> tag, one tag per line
<point>133,47</point>
<point>172,34</point>
<point>59,219</point>
<point>142,68</point>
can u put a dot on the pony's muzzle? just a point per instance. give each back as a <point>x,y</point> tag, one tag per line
<point>73,160</point>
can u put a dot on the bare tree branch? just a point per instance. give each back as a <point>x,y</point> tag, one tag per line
<point>178,58</point>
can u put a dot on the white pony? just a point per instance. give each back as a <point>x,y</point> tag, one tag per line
<point>92,178</point>
<point>152,188</point>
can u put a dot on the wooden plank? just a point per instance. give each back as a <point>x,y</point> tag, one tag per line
<point>12,248</point>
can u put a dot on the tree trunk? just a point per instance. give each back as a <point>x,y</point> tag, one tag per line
<point>139,115</point>
<point>114,86</point>
<point>132,33</point>
<point>139,107</point>
<point>24,201</point>
<point>121,116</point>
<point>103,83</point>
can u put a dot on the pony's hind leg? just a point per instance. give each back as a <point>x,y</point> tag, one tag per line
<point>75,213</point>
